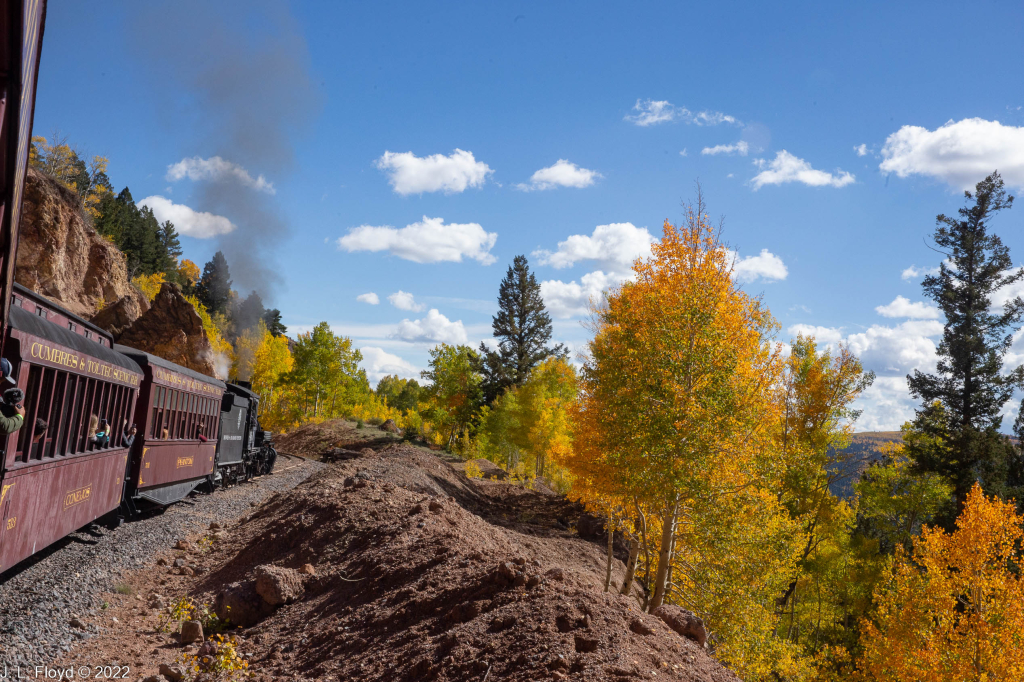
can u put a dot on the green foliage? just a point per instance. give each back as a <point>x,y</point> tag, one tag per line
<point>895,503</point>
<point>964,443</point>
<point>523,330</point>
<point>272,318</point>
<point>454,394</point>
<point>400,394</point>
<point>326,374</point>
<point>214,288</point>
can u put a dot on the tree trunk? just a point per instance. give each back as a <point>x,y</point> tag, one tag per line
<point>634,553</point>
<point>665,553</point>
<point>610,527</point>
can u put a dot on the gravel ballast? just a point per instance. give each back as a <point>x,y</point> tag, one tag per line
<point>40,598</point>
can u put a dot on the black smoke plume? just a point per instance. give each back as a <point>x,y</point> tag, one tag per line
<point>243,70</point>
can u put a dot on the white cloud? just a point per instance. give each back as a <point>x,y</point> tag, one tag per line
<point>428,241</point>
<point>411,174</point>
<point>651,112</point>
<point>403,300</point>
<point>616,246</point>
<point>371,298</point>
<point>683,153</point>
<point>741,148</point>
<point>861,149</point>
<point>561,174</point>
<point>378,364</point>
<point>823,335</point>
<point>903,307</point>
<point>898,349</point>
<point>788,168</point>
<point>913,272</point>
<point>958,153</point>
<point>766,265</point>
<point>434,328</point>
<point>216,169</point>
<point>570,299</point>
<point>187,221</point>
<point>886,405</point>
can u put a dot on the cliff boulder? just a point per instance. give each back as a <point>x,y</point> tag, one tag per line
<point>173,330</point>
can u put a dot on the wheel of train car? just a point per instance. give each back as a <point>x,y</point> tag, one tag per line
<point>271,459</point>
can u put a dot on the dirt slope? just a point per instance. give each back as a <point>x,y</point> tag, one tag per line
<point>422,574</point>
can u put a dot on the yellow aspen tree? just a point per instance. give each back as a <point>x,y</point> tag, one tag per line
<point>680,408</point>
<point>954,610</point>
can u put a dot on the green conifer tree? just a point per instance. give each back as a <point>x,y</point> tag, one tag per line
<point>214,288</point>
<point>957,430</point>
<point>523,330</point>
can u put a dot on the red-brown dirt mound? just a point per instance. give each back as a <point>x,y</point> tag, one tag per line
<point>312,440</point>
<point>410,584</point>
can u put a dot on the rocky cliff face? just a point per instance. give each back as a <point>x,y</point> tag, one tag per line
<point>62,257</point>
<point>172,329</point>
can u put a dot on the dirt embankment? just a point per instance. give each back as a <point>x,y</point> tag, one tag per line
<point>417,573</point>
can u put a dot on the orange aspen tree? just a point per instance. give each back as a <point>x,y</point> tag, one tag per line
<point>680,406</point>
<point>954,611</point>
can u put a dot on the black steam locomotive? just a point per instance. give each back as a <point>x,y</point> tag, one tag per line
<point>244,449</point>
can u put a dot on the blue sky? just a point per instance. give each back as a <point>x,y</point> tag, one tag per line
<point>411,150</point>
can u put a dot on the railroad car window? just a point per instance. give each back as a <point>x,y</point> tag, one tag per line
<point>76,417</point>
<point>67,423</point>
<point>48,444</point>
<point>40,408</point>
<point>192,421</point>
<point>89,416</point>
<point>41,312</point>
<point>158,413</point>
<point>17,301</point>
<point>73,327</point>
<point>35,374</point>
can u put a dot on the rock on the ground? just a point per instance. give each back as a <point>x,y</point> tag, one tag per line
<point>191,631</point>
<point>686,623</point>
<point>390,426</point>
<point>278,586</point>
<point>173,673</point>
<point>240,604</point>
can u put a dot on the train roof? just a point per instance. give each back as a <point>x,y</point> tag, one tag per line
<point>35,297</point>
<point>242,390</point>
<point>144,358</point>
<point>33,324</point>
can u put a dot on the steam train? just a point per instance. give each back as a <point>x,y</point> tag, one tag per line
<point>76,460</point>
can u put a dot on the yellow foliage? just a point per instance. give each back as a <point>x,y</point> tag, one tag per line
<point>221,347</point>
<point>676,428</point>
<point>188,272</point>
<point>149,284</point>
<point>954,610</point>
<point>473,470</point>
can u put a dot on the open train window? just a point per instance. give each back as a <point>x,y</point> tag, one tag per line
<point>73,327</point>
<point>18,301</point>
<point>41,312</point>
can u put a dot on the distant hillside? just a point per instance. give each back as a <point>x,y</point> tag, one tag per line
<point>851,462</point>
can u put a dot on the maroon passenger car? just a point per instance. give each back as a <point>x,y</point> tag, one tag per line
<point>64,477</point>
<point>177,416</point>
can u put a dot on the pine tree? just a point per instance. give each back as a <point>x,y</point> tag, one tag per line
<point>523,329</point>
<point>272,318</point>
<point>249,312</point>
<point>957,428</point>
<point>214,288</point>
<point>171,250</point>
